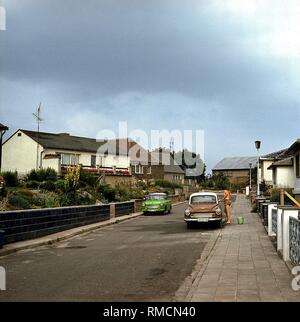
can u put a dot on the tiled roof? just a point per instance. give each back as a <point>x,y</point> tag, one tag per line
<point>65,141</point>
<point>282,163</point>
<point>274,155</point>
<point>294,147</point>
<point>236,163</point>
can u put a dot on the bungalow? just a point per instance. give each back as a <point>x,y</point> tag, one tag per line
<point>236,169</point>
<point>266,161</point>
<point>26,150</point>
<point>282,173</point>
<point>294,151</point>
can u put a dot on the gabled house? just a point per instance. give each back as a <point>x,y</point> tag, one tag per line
<point>265,161</point>
<point>294,152</point>
<point>282,173</point>
<point>26,150</point>
<point>155,165</point>
<point>236,169</point>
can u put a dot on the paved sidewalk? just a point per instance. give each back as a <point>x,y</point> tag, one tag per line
<point>243,265</point>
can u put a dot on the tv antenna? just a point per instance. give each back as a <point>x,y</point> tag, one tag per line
<point>37,116</point>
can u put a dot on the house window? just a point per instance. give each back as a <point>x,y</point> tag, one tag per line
<point>93,161</point>
<point>297,165</point>
<point>149,171</point>
<point>138,169</point>
<point>69,159</point>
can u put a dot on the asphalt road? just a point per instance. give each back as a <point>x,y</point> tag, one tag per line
<point>143,259</point>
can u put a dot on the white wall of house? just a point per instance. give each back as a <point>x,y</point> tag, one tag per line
<point>19,154</point>
<point>53,163</point>
<point>283,177</point>
<point>119,161</point>
<point>108,161</point>
<point>266,174</point>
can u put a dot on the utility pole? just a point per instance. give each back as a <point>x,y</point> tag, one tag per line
<point>250,166</point>
<point>38,118</point>
<point>257,145</point>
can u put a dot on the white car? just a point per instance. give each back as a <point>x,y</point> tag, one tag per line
<point>204,207</point>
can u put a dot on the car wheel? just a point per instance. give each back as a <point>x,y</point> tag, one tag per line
<point>220,224</point>
<point>189,225</point>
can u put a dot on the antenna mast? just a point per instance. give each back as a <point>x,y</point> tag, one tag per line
<point>38,118</point>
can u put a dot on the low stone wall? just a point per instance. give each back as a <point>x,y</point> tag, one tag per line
<point>124,208</point>
<point>28,224</point>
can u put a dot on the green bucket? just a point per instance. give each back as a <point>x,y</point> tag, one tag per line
<point>240,220</point>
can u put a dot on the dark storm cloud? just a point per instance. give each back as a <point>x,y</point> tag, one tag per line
<point>158,64</point>
<point>115,46</point>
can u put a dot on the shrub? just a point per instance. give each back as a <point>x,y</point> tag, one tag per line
<point>25,193</point>
<point>167,184</point>
<point>60,185</point>
<point>275,195</point>
<point>32,184</point>
<point>107,192</point>
<point>48,174</point>
<point>51,200</point>
<point>38,202</point>
<point>33,176</point>
<point>72,177</point>
<point>87,178</point>
<point>47,185</point>
<point>10,178</point>
<point>84,198</point>
<point>3,192</point>
<point>19,202</point>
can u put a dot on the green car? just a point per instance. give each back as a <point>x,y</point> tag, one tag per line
<point>157,203</point>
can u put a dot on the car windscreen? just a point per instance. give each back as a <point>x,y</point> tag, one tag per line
<point>157,197</point>
<point>203,199</point>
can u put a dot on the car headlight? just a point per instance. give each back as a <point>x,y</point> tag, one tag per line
<point>218,211</point>
<point>187,212</point>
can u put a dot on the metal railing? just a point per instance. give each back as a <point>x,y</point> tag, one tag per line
<point>294,241</point>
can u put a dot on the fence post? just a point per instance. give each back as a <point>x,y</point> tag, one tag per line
<point>112,210</point>
<point>281,197</point>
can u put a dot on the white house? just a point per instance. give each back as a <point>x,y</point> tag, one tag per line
<point>294,151</point>
<point>265,161</point>
<point>26,150</point>
<point>282,173</point>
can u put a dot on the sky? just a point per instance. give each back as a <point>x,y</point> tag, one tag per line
<point>228,67</point>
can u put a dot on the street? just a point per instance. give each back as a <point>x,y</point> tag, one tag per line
<point>143,259</point>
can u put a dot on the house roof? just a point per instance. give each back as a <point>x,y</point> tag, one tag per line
<point>64,141</point>
<point>173,169</point>
<point>294,147</point>
<point>236,163</point>
<point>3,127</point>
<point>274,155</point>
<point>288,162</point>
